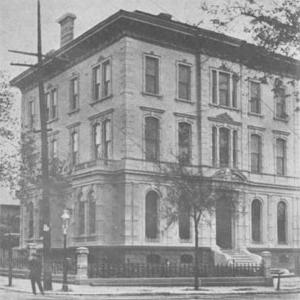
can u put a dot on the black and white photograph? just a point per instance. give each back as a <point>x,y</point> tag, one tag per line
<point>149,149</point>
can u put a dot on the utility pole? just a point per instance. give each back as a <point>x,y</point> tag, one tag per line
<point>45,205</point>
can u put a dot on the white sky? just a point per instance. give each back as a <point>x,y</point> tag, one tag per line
<point>18,21</point>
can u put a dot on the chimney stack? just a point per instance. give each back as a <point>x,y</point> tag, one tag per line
<point>66,28</point>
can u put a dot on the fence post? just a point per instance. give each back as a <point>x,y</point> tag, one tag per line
<point>266,256</point>
<point>82,264</point>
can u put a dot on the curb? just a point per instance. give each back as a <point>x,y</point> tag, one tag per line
<point>231,293</point>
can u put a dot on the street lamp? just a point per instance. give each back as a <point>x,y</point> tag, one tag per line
<point>65,225</point>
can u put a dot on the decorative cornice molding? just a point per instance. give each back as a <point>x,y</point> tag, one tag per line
<point>256,128</point>
<point>152,109</point>
<point>279,132</point>
<point>183,115</point>
<point>224,118</point>
<point>76,124</point>
<point>101,114</point>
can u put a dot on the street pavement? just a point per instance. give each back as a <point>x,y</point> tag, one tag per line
<point>21,290</point>
<point>13,295</point>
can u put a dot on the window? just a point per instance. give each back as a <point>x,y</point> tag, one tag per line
<point>214,146</point>
<point>97,140</point>
<point>255,101</point>
<point>281,104</point>
<point>184,220</point>
<point>102,80</point>
<point>152,138</point>
<point>47,99</point>
<point>224,88</point>
<point>81,215</point>
<point>280,157</point>
<point>30,220</point>
<point>153,259</point>
<point>184,142</point>
<point>74,99</point>
<point>256,220</point>
<point>31,113</point>
<point>151,75</point>
<point>106,79</point>
<point>151,229</point>
<point>234,148</point>
<point>53,149</point>
<point>184,82</point>
<point>255,153</point>
<point>281,223</point>
<point>92,212</point>
<point>224,147</point>
<point>54,103</point>
<point>74,147</point>
<point>106,139</point>
<point>186,259</point>
<point>96,83</point>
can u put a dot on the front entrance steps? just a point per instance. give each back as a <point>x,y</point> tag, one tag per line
<point>241,257</point>
<point>236,257</point>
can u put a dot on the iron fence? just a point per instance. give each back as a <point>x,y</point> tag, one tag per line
<point>97,270</point>
<point>20,262</point>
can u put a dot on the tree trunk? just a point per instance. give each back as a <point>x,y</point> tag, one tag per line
<point>196,267</point>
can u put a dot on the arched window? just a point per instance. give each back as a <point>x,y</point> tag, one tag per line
<point>256,220</point>
<point>281,223</point>
<point>224,147</point>
<point>152,138</point>
<point>97,140</point>
<point>81,215</point>
<point>184,142</point>
<point>30,220</point>
<point>92,212</point>
<point>151,215</point>
<point>184,220</point>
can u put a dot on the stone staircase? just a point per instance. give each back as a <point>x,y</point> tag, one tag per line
<point>241,257</point>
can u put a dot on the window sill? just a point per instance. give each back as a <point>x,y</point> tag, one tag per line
<point>52,120</point>
<point>185,240</point>
<point>101,100</point>
<point>224,107</point>
<point>285,120</point>
<point>184,101</point>
<point>253,114</point>
<point>152,95</point>
<point>149,240</point>
<point>281,175</point>
<point>73,111</point>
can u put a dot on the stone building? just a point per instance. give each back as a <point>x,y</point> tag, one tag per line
<point>138,89</point>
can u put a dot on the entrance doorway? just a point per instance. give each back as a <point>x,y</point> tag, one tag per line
<point>224,223</point>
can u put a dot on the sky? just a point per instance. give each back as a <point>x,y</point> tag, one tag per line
<point>18,21</point>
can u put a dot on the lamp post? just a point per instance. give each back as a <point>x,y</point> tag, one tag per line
<point>65,224</point>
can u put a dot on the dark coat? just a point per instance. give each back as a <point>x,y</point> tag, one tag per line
<point>35,267</point>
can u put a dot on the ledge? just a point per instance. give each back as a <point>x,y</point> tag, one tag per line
<point>252,114</point>
<point>185,101</point>
<point>101,100</point>
<point>159,96</point>
<point>52,120</point>
<point>285,120</point>
<point>73,111</point>
<point>224,107</point>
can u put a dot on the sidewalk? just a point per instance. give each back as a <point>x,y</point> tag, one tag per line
<point>23,286</point>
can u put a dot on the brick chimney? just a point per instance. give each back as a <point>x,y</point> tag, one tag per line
<point>66,28</point>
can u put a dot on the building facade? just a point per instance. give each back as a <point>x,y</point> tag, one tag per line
<point>138,89</point>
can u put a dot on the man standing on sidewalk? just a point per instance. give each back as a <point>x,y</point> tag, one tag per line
<point>35,267</point>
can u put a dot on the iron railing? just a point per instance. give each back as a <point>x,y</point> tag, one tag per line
<point>97,270</point>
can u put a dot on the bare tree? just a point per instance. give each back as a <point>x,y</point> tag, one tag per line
<point>191,195</point>
<point>273,25</point>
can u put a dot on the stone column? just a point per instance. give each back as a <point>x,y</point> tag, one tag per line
<point>82,264</point>
<point>266,256</point>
